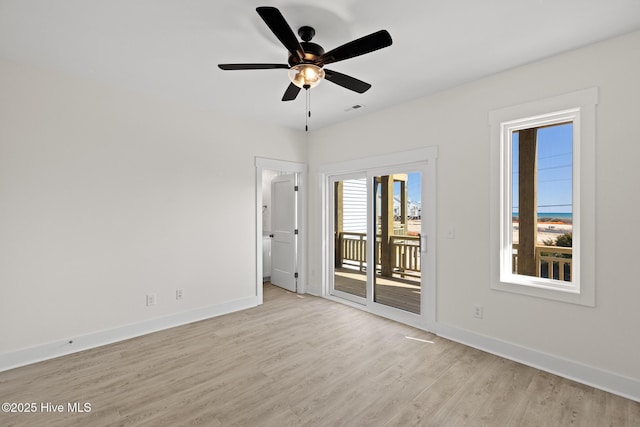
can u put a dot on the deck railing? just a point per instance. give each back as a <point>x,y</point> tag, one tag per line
<point>406,259</point>
<point>353,247</point>
<point>405,249</point>
<point>551,262</point>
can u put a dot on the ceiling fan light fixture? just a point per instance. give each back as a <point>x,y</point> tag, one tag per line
<point>306,75</point>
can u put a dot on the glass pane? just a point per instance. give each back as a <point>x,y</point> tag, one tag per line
<point>542,201</point>
<point>398,219</point>
<point>350,223</point>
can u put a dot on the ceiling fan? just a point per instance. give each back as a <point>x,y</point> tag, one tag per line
<point>307,59</point>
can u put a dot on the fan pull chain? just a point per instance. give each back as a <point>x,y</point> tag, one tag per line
<point>308,110</point>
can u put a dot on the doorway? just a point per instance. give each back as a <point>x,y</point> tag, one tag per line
<point>380,225</point>
<point>377,238</point>
<point>280,228</point>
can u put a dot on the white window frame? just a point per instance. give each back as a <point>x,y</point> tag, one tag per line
<point>506,203</point>
<point>580,109</point>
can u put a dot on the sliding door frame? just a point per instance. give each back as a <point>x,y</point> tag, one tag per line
<point>422,160</point>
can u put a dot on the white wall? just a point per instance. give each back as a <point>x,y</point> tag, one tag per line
<point>107,195</point>
<point>456,120</point>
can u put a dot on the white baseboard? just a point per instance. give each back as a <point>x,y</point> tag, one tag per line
<point>54,349</point>
<point>594,377</point>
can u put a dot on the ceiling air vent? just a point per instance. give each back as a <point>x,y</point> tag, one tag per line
<point>354,107</point>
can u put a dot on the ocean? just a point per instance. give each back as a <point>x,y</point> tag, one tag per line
<point>559,215</point>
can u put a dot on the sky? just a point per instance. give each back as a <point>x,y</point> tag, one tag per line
<point>555,154</point>
<point>413,187</point>
<point>555,145</point>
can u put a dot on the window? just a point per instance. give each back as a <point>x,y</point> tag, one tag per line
<point>538,197</point>
<point>543,198</point>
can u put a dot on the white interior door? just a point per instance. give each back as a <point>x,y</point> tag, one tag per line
<point>284,231</point>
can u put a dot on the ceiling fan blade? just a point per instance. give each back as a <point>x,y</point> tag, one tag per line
<point>251,66</point>
<point>279,26</point>
<point>291,93</point>
<point>346,81</point>
<point>374,41</point>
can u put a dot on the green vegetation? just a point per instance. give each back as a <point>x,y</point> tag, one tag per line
<point>564,241</point>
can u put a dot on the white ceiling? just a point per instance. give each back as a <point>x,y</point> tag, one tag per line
<point>171,48</point>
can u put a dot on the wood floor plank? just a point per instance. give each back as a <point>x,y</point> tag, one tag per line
<point>302,361</point>
<point>559,400</point>
<point>508,398</point>
<point>422,409</point>
<point>633,410</point>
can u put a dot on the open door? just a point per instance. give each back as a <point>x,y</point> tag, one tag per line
<point>284,242</point>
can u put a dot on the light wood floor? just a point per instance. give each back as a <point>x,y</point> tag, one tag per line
<point>302,360</point>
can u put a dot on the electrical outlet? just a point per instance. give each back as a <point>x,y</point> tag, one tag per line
<point>477,311</point>
<point>151,299</point>
<point>179,294</point>
<point>451,233</point>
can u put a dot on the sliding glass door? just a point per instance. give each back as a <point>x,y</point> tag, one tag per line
<point>398,226</point>
<point>350,222</point>
<point>377,237</point>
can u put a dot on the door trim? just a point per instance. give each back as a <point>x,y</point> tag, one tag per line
<point>285,166</point>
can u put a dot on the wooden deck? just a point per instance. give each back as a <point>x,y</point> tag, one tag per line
<point>394,292</point>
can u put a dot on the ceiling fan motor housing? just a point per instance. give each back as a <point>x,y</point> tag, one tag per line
<point>312,51</point>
